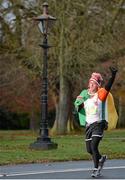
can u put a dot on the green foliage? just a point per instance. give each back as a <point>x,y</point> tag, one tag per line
<point>11,120</point>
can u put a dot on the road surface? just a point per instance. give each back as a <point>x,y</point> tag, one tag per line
<point>114,169</point>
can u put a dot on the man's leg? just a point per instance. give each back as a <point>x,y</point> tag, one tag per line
<point>88,146</point>
<point>95,152</point>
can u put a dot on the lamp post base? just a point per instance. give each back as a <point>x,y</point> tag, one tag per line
<point>43,144</point>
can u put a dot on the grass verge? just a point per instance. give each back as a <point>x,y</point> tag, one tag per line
<point>14,147</point>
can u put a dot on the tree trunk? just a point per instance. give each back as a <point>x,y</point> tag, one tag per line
<point>63,120</point>
<point>63,106</point>
<point>62,109</point>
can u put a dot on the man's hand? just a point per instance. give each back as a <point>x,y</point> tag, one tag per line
<point>113,70</point>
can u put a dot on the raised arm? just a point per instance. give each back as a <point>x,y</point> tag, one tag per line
<point>112,78</point>
<point>103,92</point>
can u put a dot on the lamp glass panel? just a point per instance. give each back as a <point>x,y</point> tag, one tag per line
<point>43,26</point>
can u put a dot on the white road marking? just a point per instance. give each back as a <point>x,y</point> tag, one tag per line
<point>58,171</point>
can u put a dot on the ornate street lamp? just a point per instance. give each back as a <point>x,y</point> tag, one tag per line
<point>44,141</point>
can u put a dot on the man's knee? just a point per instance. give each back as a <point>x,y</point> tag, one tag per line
<point>88,147</point>
<point>95,144</point>
<point>94,149</point>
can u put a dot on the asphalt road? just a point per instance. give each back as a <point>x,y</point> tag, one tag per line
<point>114,169</point>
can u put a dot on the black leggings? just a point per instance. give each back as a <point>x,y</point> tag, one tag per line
<point>92,148</point>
